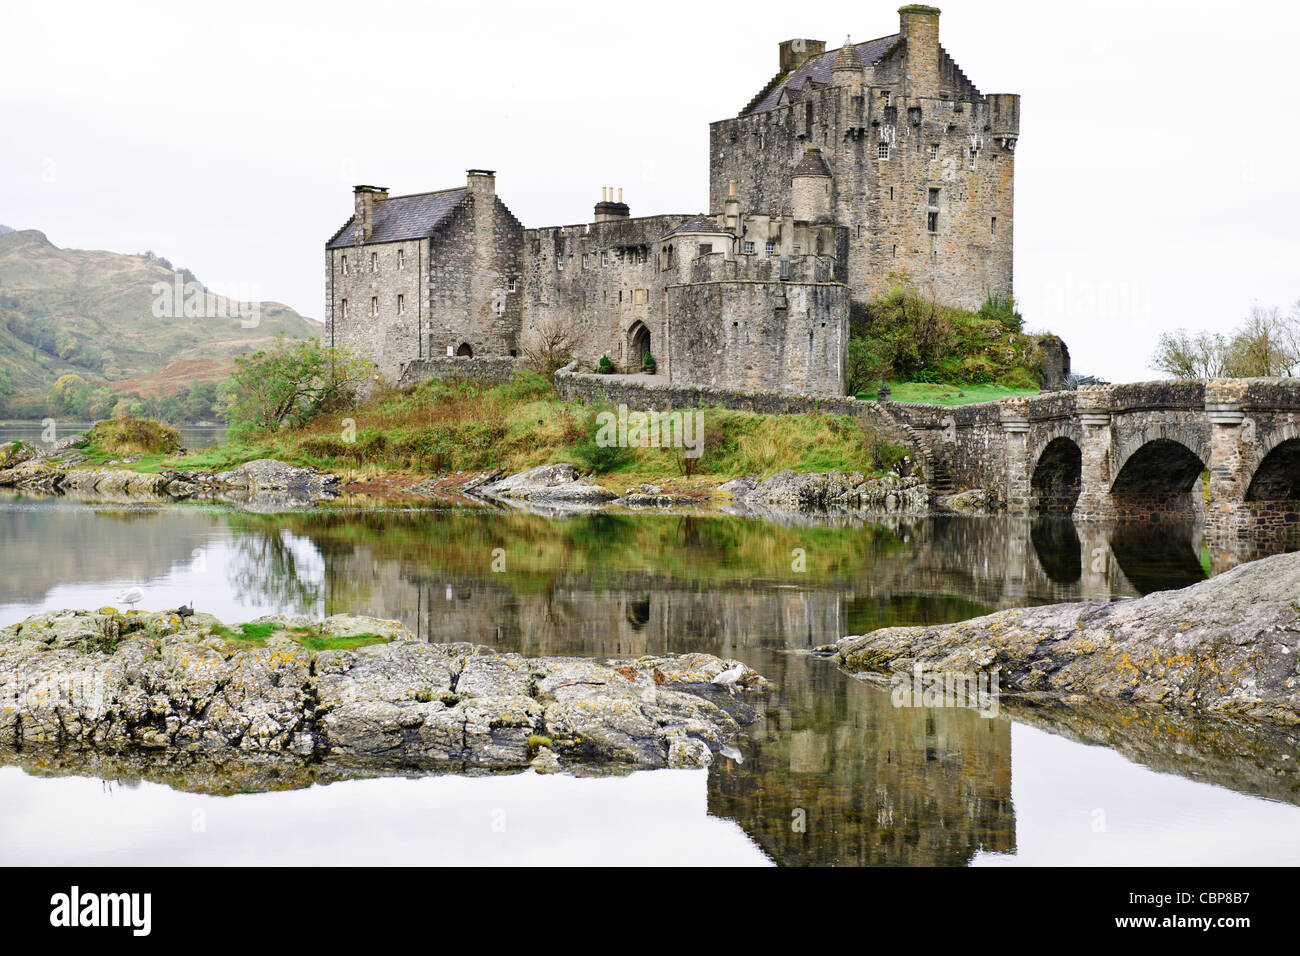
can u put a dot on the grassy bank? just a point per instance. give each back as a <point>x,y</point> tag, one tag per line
<point>441,427</point>
<point>948,394</point>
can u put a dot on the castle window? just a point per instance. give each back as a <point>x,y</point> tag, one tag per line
<point>374,262</point>
<point>401,259</point>
<point>882,151</point>
<point>510,286</point>
<point>932,220</point>
<point>749,248</point>
<point>768,249</point>
<point>401,304</point>
<point>934,150</point>
<point>895,250</point>
<point>604,257</point>
<point>934,197</point>
<point>993,226</point>
<point>345,265</point>
<point>344,307</point>
<point>374,305</point>
<point>706,248</point>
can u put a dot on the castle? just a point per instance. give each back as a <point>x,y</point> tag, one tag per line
<point>849,168</point>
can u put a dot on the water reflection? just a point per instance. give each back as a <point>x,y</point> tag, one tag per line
<point>833,774</point>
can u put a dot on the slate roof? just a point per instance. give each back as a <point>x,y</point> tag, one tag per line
<point>812,164</point>
<point>403,217</point>
<point>817,70</point>
<point>848,58</point>
<point>697,224</point>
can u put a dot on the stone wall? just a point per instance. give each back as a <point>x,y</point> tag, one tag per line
<point>492,368</point>
<point>363,286</point>
<point>764,336</point>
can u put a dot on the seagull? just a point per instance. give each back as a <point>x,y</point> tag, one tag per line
<point>131,596</point>
<point>731,753</point>
<point>729,677</point>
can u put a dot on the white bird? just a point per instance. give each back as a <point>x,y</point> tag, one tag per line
<point>729,677</point>
<point>131,596</point>
<point>731,753</point>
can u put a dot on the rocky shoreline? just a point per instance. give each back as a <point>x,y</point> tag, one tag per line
<point>352,691</point>
<point>557,488</point>
<point>1227,647</point>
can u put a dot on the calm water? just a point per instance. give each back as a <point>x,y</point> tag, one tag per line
<point>832,774</point>
<point>193,437</point>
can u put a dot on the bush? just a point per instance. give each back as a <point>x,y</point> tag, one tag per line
<point>132,436</point>
<point>605,366</point>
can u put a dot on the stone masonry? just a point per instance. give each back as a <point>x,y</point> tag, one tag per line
<point>849,169</point>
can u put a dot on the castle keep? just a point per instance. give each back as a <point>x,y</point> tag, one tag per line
<point>850,168</point>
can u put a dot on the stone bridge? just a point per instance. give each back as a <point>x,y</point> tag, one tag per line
<point>1129,452</point>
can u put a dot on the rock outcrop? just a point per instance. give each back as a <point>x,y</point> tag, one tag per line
<point>1225,647</point>
<point>832,491</point>
<point>355,691</point>
<point>547,484</point>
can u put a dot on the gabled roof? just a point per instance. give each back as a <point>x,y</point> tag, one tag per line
<point>817,70</point>
<point>403,217</point>
<point>697,224</point>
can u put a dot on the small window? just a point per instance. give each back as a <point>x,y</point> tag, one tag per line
<point>749,248</point>
<point>932,220</point>
<point>344,308</point>
<point>895,250</point>
<point>993,226</point>
<point>345,265</point>
<point>882,151</point>
<point>934,197</point>
<point>374,305</point>
<point>604,257</point>
<point>510,286</point>
<point>374,262</point>
<point>401,304</point>
<point>769,248</point>
<point>934,150</point>
<point>706,248</point>
<point>401,259</point>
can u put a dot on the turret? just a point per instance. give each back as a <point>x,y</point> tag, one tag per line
<point>810,181</point>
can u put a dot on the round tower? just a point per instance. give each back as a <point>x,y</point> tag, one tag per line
<point>810,182</point>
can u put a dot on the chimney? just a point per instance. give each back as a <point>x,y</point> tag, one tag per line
<point>795,52</point>
<point>608,210</point>
<point>919,26</point>
<point>481,182</point>
<point>731,209</point>
<point>364,199</point>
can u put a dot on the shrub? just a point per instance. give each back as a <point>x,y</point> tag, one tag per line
<point>131,436</point>
<point>605,366</point>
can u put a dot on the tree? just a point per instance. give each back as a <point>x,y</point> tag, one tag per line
<point>292,382</point>
<point>1183,355</point>
<point>549,346</point>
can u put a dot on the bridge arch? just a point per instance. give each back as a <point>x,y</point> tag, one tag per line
<point>1276,476</point>
<point>1160,466</point>
<point>1057,478</point>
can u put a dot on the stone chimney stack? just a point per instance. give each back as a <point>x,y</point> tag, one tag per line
<point>609,209</point>
<point>481,182</point>
<point>795,52</point>
<point>364,199</point>
<point>731,209</point>
<point>920,28</point>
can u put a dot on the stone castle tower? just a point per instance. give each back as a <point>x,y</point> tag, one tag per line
<point>921,163</point>
<point>850,168</point>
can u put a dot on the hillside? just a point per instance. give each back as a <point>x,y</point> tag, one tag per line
<point>91,313</point>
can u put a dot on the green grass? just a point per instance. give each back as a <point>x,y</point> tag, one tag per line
<point>441,427</point>
<point>255,634</point>
<point>948,394</point>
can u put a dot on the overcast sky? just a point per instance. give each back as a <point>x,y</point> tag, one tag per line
<point>1157,174</point>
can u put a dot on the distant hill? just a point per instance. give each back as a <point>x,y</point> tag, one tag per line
<point>92,313</point>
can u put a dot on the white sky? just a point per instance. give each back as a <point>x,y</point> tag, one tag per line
<point>1157,171</point>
